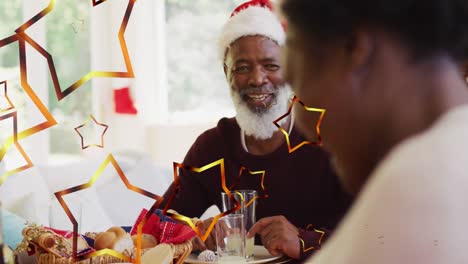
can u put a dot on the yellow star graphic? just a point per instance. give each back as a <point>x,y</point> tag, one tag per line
<point>50,121</point>
<point>97,2</point>
<point>13,140</point>
<point>5,99</point>
<point>187,220</point>
<point>261,173</point>
<point>104,129</point>
<point>19,135</point>
<point>62,93</point>
<point>322,234</point>
<point>97,174</point>
<point>317,127</point>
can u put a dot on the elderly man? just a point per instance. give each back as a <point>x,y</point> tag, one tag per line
<point>302,187</point>
<point>397,127</point>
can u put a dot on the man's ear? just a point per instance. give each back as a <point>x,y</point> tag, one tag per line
<point>361,49</point>
<point>464,70</point>
<point>225,69</point>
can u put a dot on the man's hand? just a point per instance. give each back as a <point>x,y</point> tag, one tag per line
<point>210,242</point>
<point>278,235</point>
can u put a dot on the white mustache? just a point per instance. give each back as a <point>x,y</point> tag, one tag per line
<point>260,125</point>
<point>258,90</point>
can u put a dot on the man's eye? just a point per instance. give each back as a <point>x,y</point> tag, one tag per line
<point>272,67</point>
<point>241,69</point>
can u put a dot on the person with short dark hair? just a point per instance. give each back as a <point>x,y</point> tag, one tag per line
<point>388,75</point>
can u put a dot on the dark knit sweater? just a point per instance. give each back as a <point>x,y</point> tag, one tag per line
<point>301,185</point>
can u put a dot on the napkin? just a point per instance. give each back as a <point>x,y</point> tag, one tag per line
<point>163,228</point>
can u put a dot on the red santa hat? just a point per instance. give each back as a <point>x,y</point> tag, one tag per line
<point>252,18</point>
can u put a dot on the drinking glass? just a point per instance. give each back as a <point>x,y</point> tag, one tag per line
<point>2,259</point>
<point>230,239</point>
<point>246,198</point>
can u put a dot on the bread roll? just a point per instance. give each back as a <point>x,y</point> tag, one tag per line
<point>147,241</point>
<point>114,238</point>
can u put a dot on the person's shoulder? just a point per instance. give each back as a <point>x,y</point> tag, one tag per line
<point>427,171</point>
<point>439,149</point>
<point>412,201</point>
<point>211,144</point>
<point>227,125</point>
<point>217,134</point>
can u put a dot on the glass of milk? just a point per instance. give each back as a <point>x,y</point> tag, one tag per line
<point>247,199</point>
<point>230,239</point>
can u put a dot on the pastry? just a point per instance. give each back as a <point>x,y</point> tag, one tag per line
<point>44,239</point>
<point>114,238</point>
<point>147,241</point>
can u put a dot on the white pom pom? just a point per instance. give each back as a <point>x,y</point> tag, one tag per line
<point>207,256</point>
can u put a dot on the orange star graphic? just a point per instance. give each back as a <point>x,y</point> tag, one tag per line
<point>105,127</point>
<point>13,140</point>
<point>20,33</point>
<point>187,220</point>
<point>97,174</point>
<point>97,2</point>
<point>261,173</point>
<point>50,121</point>
<point>5,96</point>
<point>322,234</point>
<point>317,127</point>
<point>19,135</point>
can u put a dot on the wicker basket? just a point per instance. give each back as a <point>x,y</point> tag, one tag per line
<point>181,252</point>
<point>35,237</point>
<point>48,258</point>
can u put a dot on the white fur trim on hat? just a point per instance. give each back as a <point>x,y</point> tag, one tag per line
<point>254,20</point>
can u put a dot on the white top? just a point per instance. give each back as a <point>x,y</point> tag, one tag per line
<point>414,208</point>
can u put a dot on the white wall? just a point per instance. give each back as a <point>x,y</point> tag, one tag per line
<point>170,143</point>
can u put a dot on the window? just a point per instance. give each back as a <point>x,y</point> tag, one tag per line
<point>67,36</point>
<point>66,31</point>
<point>11,17</point>
<point>197,88</point>
<point>192,84</point>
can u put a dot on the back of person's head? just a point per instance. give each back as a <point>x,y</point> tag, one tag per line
<point>384,70</point>
<point>427,27</point>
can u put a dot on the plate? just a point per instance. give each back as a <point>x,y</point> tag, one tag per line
<point>260,252</point>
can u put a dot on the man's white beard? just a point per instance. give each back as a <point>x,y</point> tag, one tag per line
<point>260,125</point>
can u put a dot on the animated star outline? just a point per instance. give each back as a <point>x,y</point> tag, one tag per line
<point>317,126</point>
<point>50,121</point>
<point>5,85</point>
<point>77,129</point>
<point>308,228</point>
<point>262,181</point>
<point>176,167</point>
<point>21,34</point>
<point>59,195</point>
<point>13,140</point>
<point>97,2</point>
